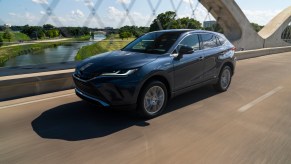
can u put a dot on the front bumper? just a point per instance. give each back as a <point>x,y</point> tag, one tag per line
<point>108,91</point>
<point>90,98</point>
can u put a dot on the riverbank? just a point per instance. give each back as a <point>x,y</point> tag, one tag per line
<point>8,52</point>
<point>101,47</point>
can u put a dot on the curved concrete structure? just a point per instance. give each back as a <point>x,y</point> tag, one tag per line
<point>238,29</point>
<point>235,24</point>
<point>273,30</point>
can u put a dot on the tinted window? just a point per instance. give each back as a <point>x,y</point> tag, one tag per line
<point>157,42</point>
<point>218,41</point>
<point>221,39</point>
<point>209,41</point>
<point>191,41</point>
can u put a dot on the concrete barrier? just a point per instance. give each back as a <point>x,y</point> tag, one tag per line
<point>18,86</point>
<point>23,85</point>
<point>261,52</point>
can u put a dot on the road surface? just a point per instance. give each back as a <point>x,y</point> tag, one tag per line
<point>250,123</point>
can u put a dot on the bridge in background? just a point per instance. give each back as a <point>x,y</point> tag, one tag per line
<point>238,29</point>
<point>201,126</point>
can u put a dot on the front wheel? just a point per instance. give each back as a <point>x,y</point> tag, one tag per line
<point>224,79</point>
<point>153,99</point>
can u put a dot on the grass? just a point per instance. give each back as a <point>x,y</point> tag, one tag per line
<point>16,36</point>
<point>101,47</point>
<point>81,38</point>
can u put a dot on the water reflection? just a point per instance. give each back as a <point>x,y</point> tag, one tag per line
<point>62,53</point>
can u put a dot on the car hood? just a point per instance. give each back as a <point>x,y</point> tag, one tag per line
<point>115,60</point>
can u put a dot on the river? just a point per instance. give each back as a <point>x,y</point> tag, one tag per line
<point>62,53</point>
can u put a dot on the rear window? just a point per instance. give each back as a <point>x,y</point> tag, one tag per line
<point>209,41</point>
<point>221,39</point>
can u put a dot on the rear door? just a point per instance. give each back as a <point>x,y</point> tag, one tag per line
<point>188,70</point>
<point>212,50</point>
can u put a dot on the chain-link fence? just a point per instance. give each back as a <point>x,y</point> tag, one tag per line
<point>123,13</point>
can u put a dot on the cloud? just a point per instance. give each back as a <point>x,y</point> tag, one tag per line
<point>89,3</point>
<point>188,2</point>
<point>40,1</point>
<point>42,12</point>
<point>262,17</point>
<point>115,15</point>
<point>77,14</point>
<point>12,14</point>
<point>124,1</point>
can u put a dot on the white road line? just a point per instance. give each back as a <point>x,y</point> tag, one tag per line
<point>35,101</point>
<point>258,100</point>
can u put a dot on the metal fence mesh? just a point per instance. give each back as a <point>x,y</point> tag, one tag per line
<point>127,16</point>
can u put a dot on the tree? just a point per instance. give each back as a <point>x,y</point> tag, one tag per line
<point>50,33</point>
<point>216,27</point>
<point>1,40</point>
<point>56,33</point>
<point>163,21</point>
<point>257,27</point>
<point>167,20</point>
<point>186,22</point>
<point>7,35</point>
<point>48,26</point>
<point>125,35</point>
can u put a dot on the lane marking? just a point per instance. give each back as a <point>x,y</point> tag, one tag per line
<point>260,99</point>
<point>35,101</point>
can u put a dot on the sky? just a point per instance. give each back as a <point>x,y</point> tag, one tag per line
<point>113,13</point>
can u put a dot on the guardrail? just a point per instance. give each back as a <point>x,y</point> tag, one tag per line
<point>50,80</point>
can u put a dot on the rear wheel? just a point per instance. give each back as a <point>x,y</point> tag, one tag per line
<point>224,79</point>
<point>153,99</point>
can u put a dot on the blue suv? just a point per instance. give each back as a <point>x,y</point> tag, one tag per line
<point>155,67</point>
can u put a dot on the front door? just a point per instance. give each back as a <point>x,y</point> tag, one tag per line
<point>188,70</point>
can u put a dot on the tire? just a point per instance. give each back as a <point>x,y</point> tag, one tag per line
<point>224,79</point>
<point>152,100</point>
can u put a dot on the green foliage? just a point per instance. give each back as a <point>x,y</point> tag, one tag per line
<point>100,47</point>
<point>48,27</point>
<point>168,20</point>
<point>163,21</point>
<point>186,23</point>
<point>1,40</point>
<point>53,33</point>
<point>7,35</point>
<point>257,27</point>
<point>34,32</point>
<point>48,30</point>
<point>125,35</point>
<point>215,27</point>
<point>129,31</point>
<point>74,31</point>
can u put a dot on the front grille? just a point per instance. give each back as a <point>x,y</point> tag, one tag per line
<point>87,89</point>
<point>85,75</point>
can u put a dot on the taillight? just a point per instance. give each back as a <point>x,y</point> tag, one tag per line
<point>233,49</point>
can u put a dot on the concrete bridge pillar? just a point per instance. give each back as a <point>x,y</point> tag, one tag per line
<point>235,24</point>
<point>273,30</point>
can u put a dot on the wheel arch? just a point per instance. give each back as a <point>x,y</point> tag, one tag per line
<point>157,77</point>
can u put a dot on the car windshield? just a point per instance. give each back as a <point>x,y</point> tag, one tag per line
<point>155,43</point>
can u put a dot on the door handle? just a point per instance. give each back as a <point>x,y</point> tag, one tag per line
<point>201,58</point>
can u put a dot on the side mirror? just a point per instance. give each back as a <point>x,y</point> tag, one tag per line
<point>185,50</point>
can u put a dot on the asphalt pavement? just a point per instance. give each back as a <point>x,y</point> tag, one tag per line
<point>250,123</point>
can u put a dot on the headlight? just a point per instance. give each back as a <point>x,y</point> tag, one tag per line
<point>119,72</point>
